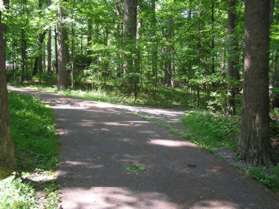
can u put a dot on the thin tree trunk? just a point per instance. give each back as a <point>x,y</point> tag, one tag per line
<point>233,57</point>
<point>154,49</point>
<point>49,63</point>
<point>169,53</point>
<point>212,36</point>
<point>62,54</point>
<point>255,138</point>
<point>23,47</point>
<point>56,50</point>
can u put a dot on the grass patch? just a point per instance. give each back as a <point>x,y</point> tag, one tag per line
<point>33,131</point>
<point>268,177</point>
<point>34,135</point>
<point>211,131</point>
<point>135,168</point>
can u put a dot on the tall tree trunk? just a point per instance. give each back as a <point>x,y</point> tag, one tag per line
<point>233,57</point>
<point>275,82</point>
<point>130,36</point>
<point>169,53</point>
<point>255,139</point>
<point>119,37</point>
<point>49,64</point>
<point>23,48</point>
<point>38,64</point>
<point>154,52</point>
<point>62,49</point>
<point>56,50</point>
<point>212,36</point>
<point>7,153</point>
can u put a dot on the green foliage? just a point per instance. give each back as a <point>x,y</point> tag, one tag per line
<point>135,168</point>
<point>33,131</point>
<point>211,131</point>
<point>16,195</point>
<point>52,196</point>
<point>269,177</point>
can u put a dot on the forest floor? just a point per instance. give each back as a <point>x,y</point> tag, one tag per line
<point>117,156</point>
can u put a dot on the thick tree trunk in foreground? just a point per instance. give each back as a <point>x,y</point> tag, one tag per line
<point>62,55</point>
<point>255,139</point>
<point>233,57</point>
<point>7,155</point>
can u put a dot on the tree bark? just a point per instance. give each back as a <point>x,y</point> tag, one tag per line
<point>130,40</point>
<point>7,152</point>
<point>255,138</point>
<point>169,53</point>
<point>23,48</point>
<point>62,48</point>
<point>49,64</point>
<point>212,36</point>
<point>154,49</point>
<point>38,65</point>
<point>233,57</point>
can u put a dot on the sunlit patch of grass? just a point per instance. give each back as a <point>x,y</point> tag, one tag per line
<point>16,195</point>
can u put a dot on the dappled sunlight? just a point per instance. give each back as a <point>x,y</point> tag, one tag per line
<point>117,124</point>
<point>113,159</point>
<point>60,102</point>
<point>89,165</point>
<point>61,131</point>
<point>215,204</point>
<point>171,143</point>
<point>114,198</point>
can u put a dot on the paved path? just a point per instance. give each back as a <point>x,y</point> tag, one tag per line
<point>100,141</point>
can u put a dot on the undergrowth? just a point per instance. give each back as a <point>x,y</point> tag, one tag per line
<point>33,132</point>
<point>211,131</point>
<point>160,97</point>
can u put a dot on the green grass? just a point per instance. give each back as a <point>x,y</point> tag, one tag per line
<point>135,168</point>
<point>268,177</point>
<point>211,131</point>
<point>34,135</point>
<point>33,131</point>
